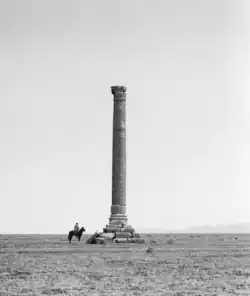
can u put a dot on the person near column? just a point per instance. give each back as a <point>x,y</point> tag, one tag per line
<point>76,228</point>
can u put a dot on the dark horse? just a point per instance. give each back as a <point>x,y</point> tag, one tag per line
<point>78,234</point>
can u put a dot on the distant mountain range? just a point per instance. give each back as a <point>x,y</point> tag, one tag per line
<point>229,228</point>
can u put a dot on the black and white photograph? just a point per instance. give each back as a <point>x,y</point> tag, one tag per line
<point>125,147</point>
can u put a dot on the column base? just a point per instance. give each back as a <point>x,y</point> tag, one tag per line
<point>117,231</point>
<point>120,231</point>
<point>117,223</point>
<point>116,219</point>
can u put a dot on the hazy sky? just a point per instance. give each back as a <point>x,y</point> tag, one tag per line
<point>186,66</point>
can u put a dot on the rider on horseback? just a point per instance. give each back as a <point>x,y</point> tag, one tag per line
<point>76,228</point>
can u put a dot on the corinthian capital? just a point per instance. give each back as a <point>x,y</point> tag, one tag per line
<point>119,92</point>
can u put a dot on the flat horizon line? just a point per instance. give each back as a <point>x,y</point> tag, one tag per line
<point>153,233</point>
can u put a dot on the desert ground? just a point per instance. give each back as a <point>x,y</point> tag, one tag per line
<point>174,264</point>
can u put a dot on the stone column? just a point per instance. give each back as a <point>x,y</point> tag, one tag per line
<point>118,207</point>
<point>118,217</point>
<point>121,231</point>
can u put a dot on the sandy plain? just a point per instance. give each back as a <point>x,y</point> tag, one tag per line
<point>177,264</point>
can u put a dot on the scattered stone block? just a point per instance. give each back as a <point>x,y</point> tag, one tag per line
<point>123,235</point>
<point>120,240</point>
<point>126,229</point>
<point>100,240</point>
<point>107,235</point>
<point>92,238</point>
<point>136,240</point>
<point>136,235</point>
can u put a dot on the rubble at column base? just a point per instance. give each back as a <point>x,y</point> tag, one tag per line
<point>118,234</point>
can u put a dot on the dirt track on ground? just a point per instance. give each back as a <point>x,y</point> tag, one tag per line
<point>187,265</point>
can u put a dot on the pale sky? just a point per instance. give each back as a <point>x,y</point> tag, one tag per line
<point>186,67</point>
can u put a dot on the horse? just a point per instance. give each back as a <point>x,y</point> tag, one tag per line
<point>78,234</point>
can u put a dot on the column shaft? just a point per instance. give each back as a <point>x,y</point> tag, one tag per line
<point>119,154</point>
<point>118,208</point>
